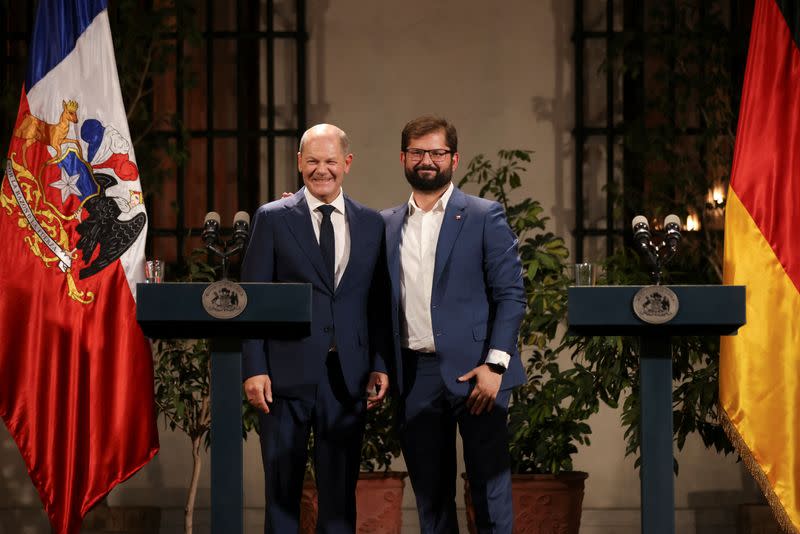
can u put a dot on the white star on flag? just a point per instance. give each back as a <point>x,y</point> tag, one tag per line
<point>67,184</point>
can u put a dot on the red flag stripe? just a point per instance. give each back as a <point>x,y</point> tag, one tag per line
<point>767,157</point>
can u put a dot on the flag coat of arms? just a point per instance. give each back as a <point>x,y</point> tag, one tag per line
<point>76,372</point>
<point>760,367</point>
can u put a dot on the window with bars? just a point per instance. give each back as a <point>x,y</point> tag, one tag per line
<point>240,110</point>
<point>656,91</point>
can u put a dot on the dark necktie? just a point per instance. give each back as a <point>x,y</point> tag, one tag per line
<point>327,242</point>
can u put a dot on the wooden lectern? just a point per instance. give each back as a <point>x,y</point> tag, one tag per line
<point>175,310</point>
<point>608,311</point>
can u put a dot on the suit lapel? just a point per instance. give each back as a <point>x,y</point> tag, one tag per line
<point>356,229</point>
<point>298,220</point>
<point>394,232</point>
<point>454,217</point>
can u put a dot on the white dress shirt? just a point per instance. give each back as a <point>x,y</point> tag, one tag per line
<point>419,238</point>
<point>341,230</point>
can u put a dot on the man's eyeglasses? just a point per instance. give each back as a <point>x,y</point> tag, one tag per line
<point>416,154</point>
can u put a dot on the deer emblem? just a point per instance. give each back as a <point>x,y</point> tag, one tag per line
<point>34,129</point>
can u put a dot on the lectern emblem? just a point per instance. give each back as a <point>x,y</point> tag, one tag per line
<point>224,299</point>
<point>655,304</point>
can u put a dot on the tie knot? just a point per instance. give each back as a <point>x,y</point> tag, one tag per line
<point>326,210</point>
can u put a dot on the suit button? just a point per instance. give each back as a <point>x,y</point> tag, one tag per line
<point>326,329</point>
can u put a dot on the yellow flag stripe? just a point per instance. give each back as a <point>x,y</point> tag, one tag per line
<point>760,367</point>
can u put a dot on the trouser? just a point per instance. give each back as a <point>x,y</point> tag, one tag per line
<point>337,420</point>
<point>429,415</point>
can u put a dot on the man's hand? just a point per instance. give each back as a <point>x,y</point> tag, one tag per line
<point>380,382</point>
<point>258,389</point>
<point>487,384</point>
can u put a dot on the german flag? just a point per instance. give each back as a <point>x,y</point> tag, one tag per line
<point>760,367</point>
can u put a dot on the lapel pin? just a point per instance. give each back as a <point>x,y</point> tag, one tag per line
<point>458,217</point>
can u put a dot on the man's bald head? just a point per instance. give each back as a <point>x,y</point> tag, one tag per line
<point>323,160</point>
<point>326,130</point>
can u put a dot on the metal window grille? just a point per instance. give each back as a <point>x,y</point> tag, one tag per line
<point>612,99</point>
<point>242,117</point>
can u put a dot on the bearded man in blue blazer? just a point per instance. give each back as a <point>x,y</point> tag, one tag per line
<point>457,304</point>
<point>322,237</point>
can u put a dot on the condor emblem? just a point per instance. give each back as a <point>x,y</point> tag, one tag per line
<point>224,299</point>
<point>655,304</point>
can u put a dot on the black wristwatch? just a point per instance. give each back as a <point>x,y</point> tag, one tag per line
<point>496,368</point>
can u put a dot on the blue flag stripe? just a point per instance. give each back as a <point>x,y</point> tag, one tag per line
<point>59,23</point>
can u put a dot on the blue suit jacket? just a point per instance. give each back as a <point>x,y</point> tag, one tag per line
<point>283,248</point>
<point>478,298</point>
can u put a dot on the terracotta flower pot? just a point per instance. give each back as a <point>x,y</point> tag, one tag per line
<point>543,504</point>
<point>309,508</point>
<point>379,498</point>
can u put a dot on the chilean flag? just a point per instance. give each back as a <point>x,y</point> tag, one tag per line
<point>76,372</point>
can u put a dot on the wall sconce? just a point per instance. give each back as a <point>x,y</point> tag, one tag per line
<point>716,197</point>
<point>692,222</point>
<point>715,207</point>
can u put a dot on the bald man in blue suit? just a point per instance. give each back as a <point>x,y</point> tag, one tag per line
<point>457,304</point>
<point>322,237</point>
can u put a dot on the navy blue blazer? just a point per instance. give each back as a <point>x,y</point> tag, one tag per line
<point>478,298</point>
<point>283,248</point>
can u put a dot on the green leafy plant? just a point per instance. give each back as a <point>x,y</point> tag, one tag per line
<point>547,415</point>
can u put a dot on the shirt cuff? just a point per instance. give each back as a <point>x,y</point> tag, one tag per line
<point>499,357</point>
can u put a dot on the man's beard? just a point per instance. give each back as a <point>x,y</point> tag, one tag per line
<point>438,181</point>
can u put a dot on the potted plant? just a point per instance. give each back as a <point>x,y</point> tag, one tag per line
<point>379,491</point>
<point>547,415</point>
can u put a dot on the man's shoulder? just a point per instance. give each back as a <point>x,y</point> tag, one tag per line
<point>388,212</point>
<point>276,205</point>
<point>481,204</point>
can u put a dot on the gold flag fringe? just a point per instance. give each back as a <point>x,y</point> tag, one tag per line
<point>758,475</point>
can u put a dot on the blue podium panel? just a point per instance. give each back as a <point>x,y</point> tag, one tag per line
<point>608,311</point>
<point>175,310</point>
